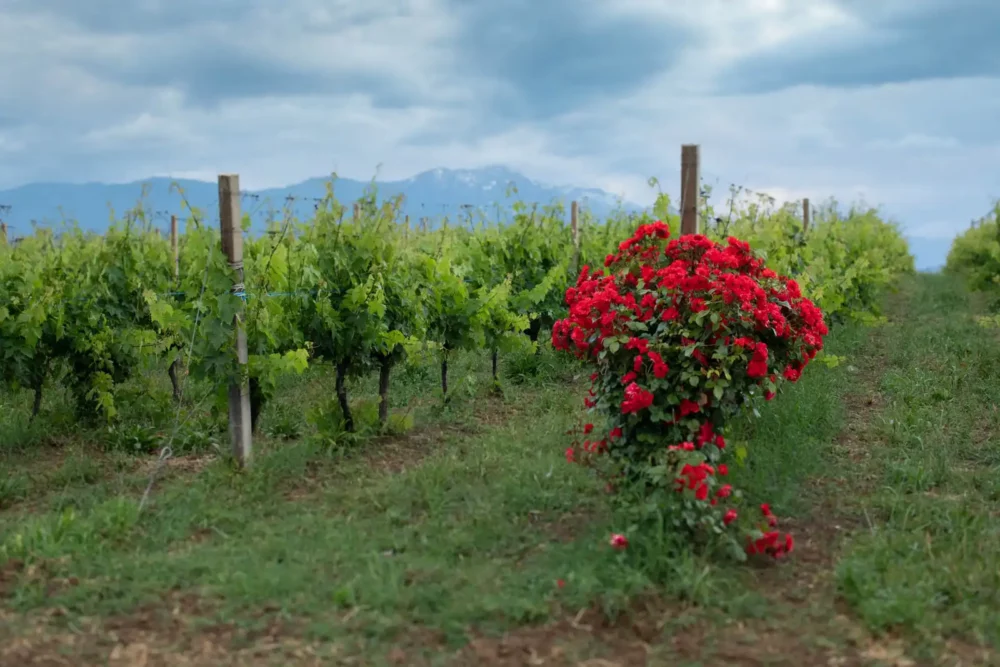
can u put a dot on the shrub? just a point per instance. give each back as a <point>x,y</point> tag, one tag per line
<point>683,335</point>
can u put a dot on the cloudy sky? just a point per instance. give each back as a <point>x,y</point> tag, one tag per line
<point>895,101</point>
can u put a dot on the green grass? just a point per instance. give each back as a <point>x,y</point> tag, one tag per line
<point>928,564</point>
<point>475,534</point>
<point>468,520</point>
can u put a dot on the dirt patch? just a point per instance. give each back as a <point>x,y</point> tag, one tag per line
<point>10,573</point>
<point>394,454</point>
<point>588,639</point>
<point>657,633</point>
<point>38,460</point>
<point>984,429</point>
<point>562,528</point>
<point>15,573</point>
<point>855,440</point>
<point>494,411</point>
<point>171,633</point>
<point>387,454</point>
<point>176,465</point>
<point>43,467</point>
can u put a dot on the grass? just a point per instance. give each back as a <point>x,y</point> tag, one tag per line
<point>928,564</point>
<point>444,544</point>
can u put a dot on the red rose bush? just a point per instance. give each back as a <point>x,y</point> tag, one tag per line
<point>684,333</point>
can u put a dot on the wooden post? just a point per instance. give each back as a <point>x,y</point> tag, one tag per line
<point>423,224</point>
<point>805,214</point>
<point>357,211</point>
<point>574,225</point>
<point>3,232</point>
<point>175,247</point>
<point>690,188</point>
<point>232,245</point>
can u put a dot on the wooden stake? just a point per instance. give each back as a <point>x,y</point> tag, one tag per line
<point>574,223</point>
<point>3,232</point>
<point>357,211</point>
<point>175,247</point>
<point>232,245</point>
<point>805,214</point>
<point>690,188</point>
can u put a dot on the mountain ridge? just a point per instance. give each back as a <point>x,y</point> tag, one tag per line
<point>433,193</point>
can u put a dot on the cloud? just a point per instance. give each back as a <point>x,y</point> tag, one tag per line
<point>547,58</point>
<point>898,42</point>
<point>262,48</point>
<point>113,17</point>
<point>892,101</point>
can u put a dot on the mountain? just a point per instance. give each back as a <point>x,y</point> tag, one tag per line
<point>432,194</point>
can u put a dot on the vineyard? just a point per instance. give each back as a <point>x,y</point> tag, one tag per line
<point>349,440</point>
<point>975,254</point>
<point>359,293</point>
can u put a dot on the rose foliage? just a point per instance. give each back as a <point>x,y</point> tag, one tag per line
<point>684,333</point>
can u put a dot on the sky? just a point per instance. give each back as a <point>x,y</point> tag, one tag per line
<point>893,102</point>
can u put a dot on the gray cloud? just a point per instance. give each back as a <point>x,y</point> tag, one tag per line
<point>554,56</point>
<point>905,42</point>
<point>513,62</point>
<point>236,49</point>
<point>210,73</point>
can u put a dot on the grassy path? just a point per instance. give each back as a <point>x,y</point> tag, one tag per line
<point>887,467</point>
<point>898,557</point>
<point>925,564</point>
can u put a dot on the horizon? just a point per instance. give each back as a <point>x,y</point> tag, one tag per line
<point>929,254</point>
<point>212,178</point>
<point>830,99</point>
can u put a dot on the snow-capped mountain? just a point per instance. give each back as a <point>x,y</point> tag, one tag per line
<point>432,194</point>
